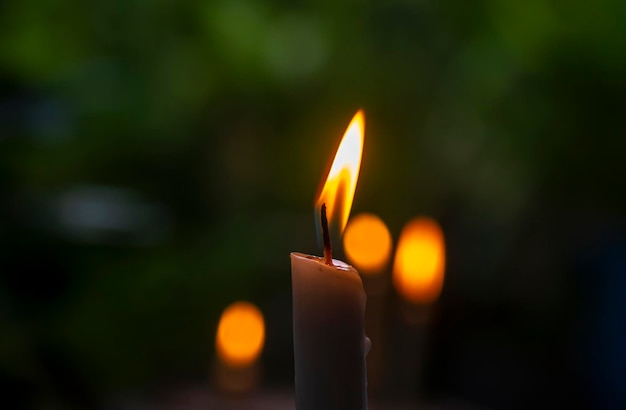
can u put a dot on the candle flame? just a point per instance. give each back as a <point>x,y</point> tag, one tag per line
<point>367,243</point>
<point>418,269</point>
<point>240,334</point>
<point>338,191</point>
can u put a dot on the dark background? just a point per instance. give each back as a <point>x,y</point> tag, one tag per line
<point>159,160</point>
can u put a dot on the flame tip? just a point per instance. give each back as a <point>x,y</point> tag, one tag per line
<point>338,191</point>
<point>359,116</point>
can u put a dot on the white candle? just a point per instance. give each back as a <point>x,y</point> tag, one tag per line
<point>328,334</point>
<point>329,300</point>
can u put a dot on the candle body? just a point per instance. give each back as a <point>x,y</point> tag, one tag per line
<point>328,334</point>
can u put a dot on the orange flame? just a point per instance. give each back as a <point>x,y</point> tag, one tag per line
<point>240,334</point>
<point>338,191</point>
<point>420,261</point>
<point>367,243</point>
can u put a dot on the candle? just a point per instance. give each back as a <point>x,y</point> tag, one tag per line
<point>329,300</point>
<point>418,275</point>
<point>238,342</point>
<point>367,243</point>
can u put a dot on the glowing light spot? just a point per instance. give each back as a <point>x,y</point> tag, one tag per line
<point>240,334</point>
<point>367,243</point>
<point>419,264</point>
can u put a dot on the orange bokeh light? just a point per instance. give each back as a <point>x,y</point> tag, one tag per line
<point>367,243</point>
<point>338,191</point>
<point>240,334</point>
<point>419,264</point>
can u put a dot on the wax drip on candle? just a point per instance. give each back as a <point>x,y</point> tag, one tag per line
<point>328,252</point>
